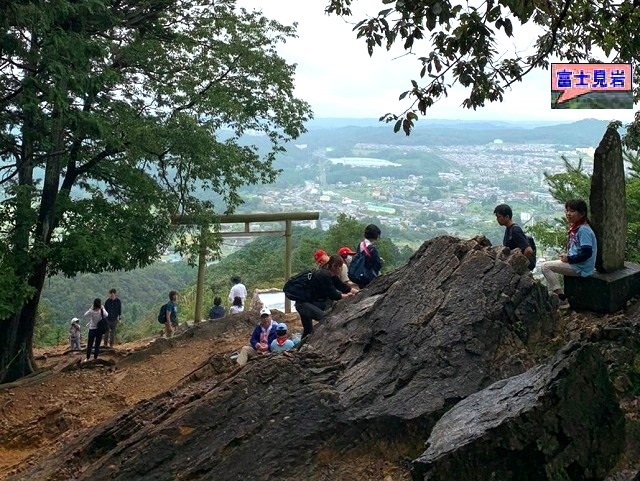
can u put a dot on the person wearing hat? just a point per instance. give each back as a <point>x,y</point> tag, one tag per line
<point>261,338</point>
<point>320,257</point>
<point>282,342</point>
<point>75,335</point>
<point>347,255</point>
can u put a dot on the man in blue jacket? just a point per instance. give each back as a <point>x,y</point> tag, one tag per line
<point>261,338</point>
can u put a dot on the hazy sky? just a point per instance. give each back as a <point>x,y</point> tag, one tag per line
<point>338,78</point>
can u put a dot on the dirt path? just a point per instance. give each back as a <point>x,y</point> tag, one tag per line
<point>36,417</point>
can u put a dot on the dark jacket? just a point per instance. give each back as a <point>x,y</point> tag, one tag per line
<point>323,286</point>
<point>216,312</point>
<point>114,308</point>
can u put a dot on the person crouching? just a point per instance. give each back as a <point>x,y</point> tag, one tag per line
<point>282,342</point>
<point>261,338</point>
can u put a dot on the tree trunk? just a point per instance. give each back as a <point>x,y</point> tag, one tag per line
<point>16,334</point>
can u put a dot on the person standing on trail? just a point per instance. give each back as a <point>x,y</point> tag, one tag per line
<point>95,314</point>
<point>75,335</point>
<point>237,290</point>
<point>113,306</point>
<point>261,338</point>
<point>171,314</point>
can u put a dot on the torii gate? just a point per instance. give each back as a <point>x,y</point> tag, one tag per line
<point>247,219</point>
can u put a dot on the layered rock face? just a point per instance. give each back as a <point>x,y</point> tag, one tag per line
<point>556,421</point>
<point>454,319</point>
<point>386,365</point>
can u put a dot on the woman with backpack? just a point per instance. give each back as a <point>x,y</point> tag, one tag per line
<point>97,316</point>
<point>323,285</point>
<point>582,248</point>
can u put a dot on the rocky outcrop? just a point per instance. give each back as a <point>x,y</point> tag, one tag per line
<point>456,318</point>
<point>226,429</point>
<point>384,367</point>
<point>557,421</point>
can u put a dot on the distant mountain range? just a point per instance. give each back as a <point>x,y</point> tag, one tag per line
<point>331,132</point>
<point>336,122</point>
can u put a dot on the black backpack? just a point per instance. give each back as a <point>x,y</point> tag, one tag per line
<point>533,258</point>
<point>532,244</point>
<point>162,315</point>
<point>358,270</point>
<point>297,288</point>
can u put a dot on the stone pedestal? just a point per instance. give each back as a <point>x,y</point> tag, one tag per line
<point>603,292</point>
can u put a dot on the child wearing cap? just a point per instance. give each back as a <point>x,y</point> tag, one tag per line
<point>282,342</point>
<point>74,334</point>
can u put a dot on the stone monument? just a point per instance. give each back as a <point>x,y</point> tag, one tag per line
<point>616,281</point>
<point>607,201</point>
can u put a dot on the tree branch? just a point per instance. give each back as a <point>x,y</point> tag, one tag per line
<point>547,51</point>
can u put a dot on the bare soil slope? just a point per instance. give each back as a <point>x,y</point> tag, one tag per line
<point>37,414</point>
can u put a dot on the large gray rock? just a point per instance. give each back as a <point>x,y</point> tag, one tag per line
<point>257,423</point>
<point>559,421</point>
<point>608,203</point>
<point>456,318</point>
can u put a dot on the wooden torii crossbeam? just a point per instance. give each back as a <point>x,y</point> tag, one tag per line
<point>247,219</point>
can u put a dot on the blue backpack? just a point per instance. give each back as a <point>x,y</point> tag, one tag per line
<point>358,270</point>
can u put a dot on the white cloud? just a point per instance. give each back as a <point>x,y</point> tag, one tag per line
<point>338,78</point>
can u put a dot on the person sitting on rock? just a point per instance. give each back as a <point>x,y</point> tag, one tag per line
<point>582,248</point>
<point>324,285</point>
<point>261,338</point>
<point>282,342</point>
<point>236,306</point>
<point>217,311</point>
<point>514,236</point>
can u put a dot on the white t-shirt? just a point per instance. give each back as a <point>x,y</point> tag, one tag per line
<point>236,309</point>
<point>95,316</point>
<point>238,290</point>
<point>344,273</point>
